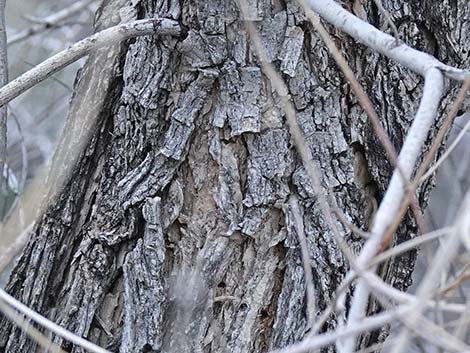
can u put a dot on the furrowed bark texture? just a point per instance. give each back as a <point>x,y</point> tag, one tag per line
<point>173,233</point>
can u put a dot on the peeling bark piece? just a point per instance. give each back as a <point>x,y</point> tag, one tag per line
<point>240,47</point>
<point>291,50</point>
<point>295,13</point>
<point>244,115</point>
<point>152,175</point>
<point>144,286</point>
<point>176,140</point>
<point>216,47</point>
<point>145,85</point>
<point>252,220</point>
<point>268,163</point>
<point>203,51</point>
<point>190,105</point>
<point>194,51</point>
<point>239,99</point>
<point>173,204</point>
<point>237,40</point>
<point>301,85</point>
<point>290,321</point>
<point>325,138</point>
<point>229,195</point>
<point>211,16</point>
<point>272,34</point>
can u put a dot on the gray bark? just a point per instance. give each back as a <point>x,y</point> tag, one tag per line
<point>173,232</point>
<point>4,187</point>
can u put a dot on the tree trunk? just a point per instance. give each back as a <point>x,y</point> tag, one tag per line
<point>173,232</point>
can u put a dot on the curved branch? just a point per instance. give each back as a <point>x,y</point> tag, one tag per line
<point>41,320</point>
<point>391,203</point>
<point>385,44</point>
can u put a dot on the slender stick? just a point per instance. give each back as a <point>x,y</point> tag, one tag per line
<point>309,287</point>
<point>368,107</point>
<point>84,47</point>
<point>44,341</point>
<point>50,21</point>
<point>446,253</point>
<point>447,153</point>
<point>394,195</point>
<point>385,44</point>
<point>58,330</point>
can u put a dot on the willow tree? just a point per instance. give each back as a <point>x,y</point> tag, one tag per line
<point>174,230</point>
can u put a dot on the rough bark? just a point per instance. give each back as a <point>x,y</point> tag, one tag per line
<point>173,233</point>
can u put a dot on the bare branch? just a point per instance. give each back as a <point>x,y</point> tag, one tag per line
<point>391,202</point>
<point>410,244</point>
<point>50,21</point>
<point>84,47</point>
<point>447,153</point>
<point>369,323</point>
<point>442,260</point>
<point>325,339</point>
<point>352,227</point>
<point>461,278</point>
<point>309,288</point>
<point>444,129</point>
<point>41,320</point>
<point>385,44</point>
<point>34,333</point>
<point>368,107</point>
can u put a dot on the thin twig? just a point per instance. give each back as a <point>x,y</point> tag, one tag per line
<point>352,227</point>
<point>446,154</point>
<point>394,195</point>
<point>309,287</point>
<point>82,48</point>
<point>322,340</point>
<point>409,245</point>
<point>388,19</point>
<point>427,161</point>
<point>53,327</point>
<point>30,330</point>
<point>446,125</point>
<point>365,325</point>
<point>50,21</point>
<point>461,278</point>
<point>368,107</point>
<point>447,251</point>
<point>373,280</point>
<point>385,44</point>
